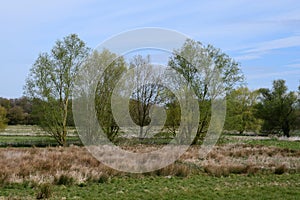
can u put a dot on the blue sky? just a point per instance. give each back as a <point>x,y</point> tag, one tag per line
<point>264,36</point>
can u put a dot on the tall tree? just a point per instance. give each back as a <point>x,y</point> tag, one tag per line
<point>210,72</point>
<point>240,115</point>
<point>51,80</point>
<point>147,91</point>
<point>173,117</point>
<point>113,67</point>
<point>277,108</point>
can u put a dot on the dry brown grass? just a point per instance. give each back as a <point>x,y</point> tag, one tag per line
<point>49,164</point>
<point>75,164</point>
<point>246,159</point>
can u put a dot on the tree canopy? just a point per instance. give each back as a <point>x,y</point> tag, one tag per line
<point>210,73</point>
<point>241,110</point>
<point>51,80</point>
<point>277,108</point>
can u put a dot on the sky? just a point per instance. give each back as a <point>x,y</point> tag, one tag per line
<point>263,36</point>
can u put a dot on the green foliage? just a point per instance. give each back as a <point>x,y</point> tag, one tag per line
<point>112,68</point>
<point>19,110</point>
<point>50,84</point>
<point>5,103</point>
<point>173,117</point>
<point>16,115</point>
<point>240,114</point>
<point>3,119</point>
<point>210,73</point>
<point>64,180</point>
<point>277,108</point>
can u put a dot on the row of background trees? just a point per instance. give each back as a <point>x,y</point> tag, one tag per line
<point>48,90</point>
<point>257,110</point>
<point>22,111</point>
<point>271,111</point>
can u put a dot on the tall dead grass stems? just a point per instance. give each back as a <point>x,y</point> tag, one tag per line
<point>75,165</point>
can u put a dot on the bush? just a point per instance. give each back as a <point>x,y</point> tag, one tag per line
<point>281,169</point>
<point>64,180</point>
<point>103,178</point>
<point>4,178</point>
<point>217,171</point>
<point>45,191</point>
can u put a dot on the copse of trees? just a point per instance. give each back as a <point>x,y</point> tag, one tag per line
<point>271,111</point>
<point>278,108</point>
<point>209,72</point>
<point>19,111</point>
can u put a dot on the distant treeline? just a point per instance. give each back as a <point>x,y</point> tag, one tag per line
<point>23,111</point>
<point>271,111</point>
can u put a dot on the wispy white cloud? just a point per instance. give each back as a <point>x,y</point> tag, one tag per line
<point>295,65</point>
<point>287,42</point>
<point>260,49</point>
<point>281,74</point>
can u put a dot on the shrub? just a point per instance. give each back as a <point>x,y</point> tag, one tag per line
<point>3,178</point>
<point>217,171</point>
<point>64,180</point>
<point>103,178</point>
<point>281,169</point>
<point>176,169</point>
<point>45,191</point>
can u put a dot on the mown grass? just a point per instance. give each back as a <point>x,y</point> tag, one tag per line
<point>156,187</point>
<point>295,145</point>
<point>29,141</point>
<point>269,142</point>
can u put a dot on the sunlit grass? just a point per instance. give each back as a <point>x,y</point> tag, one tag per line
<point>196,187</point>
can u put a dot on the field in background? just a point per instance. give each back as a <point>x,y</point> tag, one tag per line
<point>239,167</point>
<point>29,136</point>
<point>33,136</point>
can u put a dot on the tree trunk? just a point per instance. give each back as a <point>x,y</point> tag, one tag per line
<point>198,134</point>
<point>286,129</point>
<point>65,117</point>
<point>141,133</point>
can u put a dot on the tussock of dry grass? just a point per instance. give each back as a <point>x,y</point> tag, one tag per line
<point>246,159</point>
<point>49,164</point>
<point>75,164</point>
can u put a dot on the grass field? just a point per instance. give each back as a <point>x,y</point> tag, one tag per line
<point>29,136</point>
<point>276,143</point>
<point>30,141</point>
<point>237,168</point>
<point>195,187</point>
<point>265,141</point>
